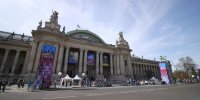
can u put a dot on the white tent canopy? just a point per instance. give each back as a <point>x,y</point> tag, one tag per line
<point>76,78</point>
<point>154,79</point>
<point>67,78</point>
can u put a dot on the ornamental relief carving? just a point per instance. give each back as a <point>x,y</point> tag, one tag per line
<point>50,42</point>
<point>85,37</point>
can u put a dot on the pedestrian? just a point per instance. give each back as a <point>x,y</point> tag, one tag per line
<point>18,83</point>
<point>4,85</point>
<point>22,83</point>
<point>82,83</point>
<point>0,85</point>
<point>29,85</point>
<point>54,83</point>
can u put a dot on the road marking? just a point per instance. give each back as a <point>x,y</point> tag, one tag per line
<point>106,93</point>
<point>128,92</point>
<point>99,94</point>
<point>59,98</point>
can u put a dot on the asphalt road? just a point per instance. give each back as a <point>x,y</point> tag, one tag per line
<point>170,92</point>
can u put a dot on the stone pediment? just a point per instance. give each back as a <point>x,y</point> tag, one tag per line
<point>85,35</point>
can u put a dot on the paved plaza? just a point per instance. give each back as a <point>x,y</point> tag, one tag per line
<point>150,92</point>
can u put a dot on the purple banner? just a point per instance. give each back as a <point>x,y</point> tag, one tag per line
<point>44,72</point>
<point>91,59</point>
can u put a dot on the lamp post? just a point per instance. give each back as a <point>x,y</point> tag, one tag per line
<point>60,73</point>
<point>83,79</point>
<point>83,75</point>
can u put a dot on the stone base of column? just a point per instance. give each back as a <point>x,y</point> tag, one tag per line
<point>11,74</point>
<point>80,75</point>
<point>55,77</point>
<point>119,78</point>
<point>99,77</point>
<point>29,76</point>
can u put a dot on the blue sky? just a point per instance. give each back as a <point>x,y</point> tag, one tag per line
<point>152,27</point>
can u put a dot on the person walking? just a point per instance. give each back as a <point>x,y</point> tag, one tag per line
<point>4,85</point>
<point>18,83</point>
<point>29,85</point>
<point>22,83</point>
<point>0,85</point>
<point>54,83</point>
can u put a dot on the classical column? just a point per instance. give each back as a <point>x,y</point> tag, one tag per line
<point>111,64</point>
<point>135,71</point>
<point>146,70</point>
<point>130,68</point>
<point>25,65</point>
<point>114,64</point>
<point>122,66</point>
<point>139,70</point>
<point>101,63</point>
<point>85,61</point>
<point>154,71</point>
<point>66,59</point>
<point>97,62</point>
<point>4,60</point>
<point>15,62</point>
<point>151,70</point>
<point>32,57</point>
<point>55,59</point>
<point>37,59</point>
<point>118,66</point>
<point>81,61</point>
<point>60,58</point>
<point>142,71</point>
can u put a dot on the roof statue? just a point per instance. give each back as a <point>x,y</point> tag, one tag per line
<point>121,42</point>
<point>78,27</point>
<point>52,25</point>
<point>22,36</point>
<point>40,25</point>
<point>54,17</point>
<point>63,31</point>
<point>121,35</point>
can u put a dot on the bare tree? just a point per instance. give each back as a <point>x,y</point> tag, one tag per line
<point>186,64</point>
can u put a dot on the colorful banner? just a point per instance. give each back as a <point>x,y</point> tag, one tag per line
<point>44,72</point>
<point>73,57</point>
<point>164,72</point>
<point>90,59</point>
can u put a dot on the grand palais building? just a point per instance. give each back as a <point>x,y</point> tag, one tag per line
<point>51,50</point>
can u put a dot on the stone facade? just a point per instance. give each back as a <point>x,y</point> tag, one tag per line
<point>20,57</point>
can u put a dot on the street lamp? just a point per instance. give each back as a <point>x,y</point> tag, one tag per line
<point>83,78</point>
<point>193,76</point>
<point>83,74</point>
<point>60,73</point>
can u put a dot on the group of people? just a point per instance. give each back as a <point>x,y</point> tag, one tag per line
<point>2,85</point>
<point>20,83</point>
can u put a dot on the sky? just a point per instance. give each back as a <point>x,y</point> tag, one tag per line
<point>153,28</point>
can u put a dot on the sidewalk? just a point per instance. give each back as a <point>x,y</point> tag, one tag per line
<point>14,88</point>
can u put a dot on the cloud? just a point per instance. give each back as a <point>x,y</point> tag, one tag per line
<point>144,23</point>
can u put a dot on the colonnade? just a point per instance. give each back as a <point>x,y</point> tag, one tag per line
<point>140,70</point>
<point>62,54</point>
<point>15,63</point>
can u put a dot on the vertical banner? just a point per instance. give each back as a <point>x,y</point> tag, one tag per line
<point>90,59</point>
<point>164,72</point>
<point>44,72</point>
<point>73,57</point>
